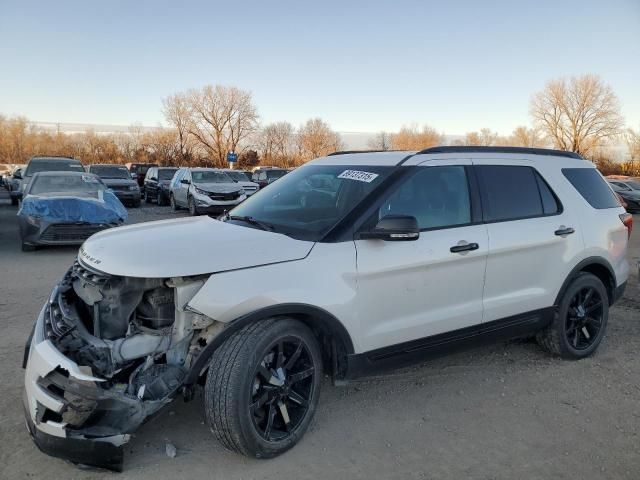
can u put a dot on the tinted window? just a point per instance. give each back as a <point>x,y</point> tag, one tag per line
<point>437,196</point>
<point>590,184</point>
<point>65,183</point>
<point>272,174</point>
<point>166,173</point>
<point>110,171</point>
<point>508,192</point>
<point>549,201</point>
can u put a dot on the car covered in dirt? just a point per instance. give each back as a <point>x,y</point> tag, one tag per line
<point>66,208</point>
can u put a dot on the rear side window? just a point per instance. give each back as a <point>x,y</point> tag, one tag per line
<point>592,187</point>
<point>512,192</point>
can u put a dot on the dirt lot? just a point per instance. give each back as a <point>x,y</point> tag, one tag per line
<point>507,411</point>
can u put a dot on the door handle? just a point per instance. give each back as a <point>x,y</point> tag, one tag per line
<point>564,231</point>
<point>464,248</point>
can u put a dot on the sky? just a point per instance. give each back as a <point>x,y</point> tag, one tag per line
<point>362,66</point>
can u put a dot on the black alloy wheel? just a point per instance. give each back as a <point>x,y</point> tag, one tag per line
<point>584,318</point>
<point>283,385</point>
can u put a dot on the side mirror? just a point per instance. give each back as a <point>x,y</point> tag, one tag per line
<point>185,181</point>
<point>17,175</point>
<point>394,228</point>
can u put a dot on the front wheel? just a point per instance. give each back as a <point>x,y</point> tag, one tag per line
<point>262,387</point>
<point>172,201</point>
<point>581,320</point>
<point>193,210</point>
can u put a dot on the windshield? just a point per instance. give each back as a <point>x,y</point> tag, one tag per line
<point>311,200</point>
<point>110,171</point>
<point>276,173</point>
<point>633,184</point>
<point>239,176</point>
<point>166,173</point>
<point>210,176</point>
<point>66,184</point>
<point>53,165</point>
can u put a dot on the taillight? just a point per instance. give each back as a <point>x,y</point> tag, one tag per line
<point>627,219</point>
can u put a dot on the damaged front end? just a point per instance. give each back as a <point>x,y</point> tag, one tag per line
<point>106,353</point>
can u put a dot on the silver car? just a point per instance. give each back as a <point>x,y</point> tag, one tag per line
<point>204,190</point>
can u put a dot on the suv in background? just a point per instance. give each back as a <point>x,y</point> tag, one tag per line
<point>45,164</point>
<point>12,183</point>
<point>243,180</point>
<point>138,172</point>
<point>118,179</point>
<point>157,184</point>
<point>350,265</point>
<point>204,190</point>
<point>264,177</point>
<point>629,190</point>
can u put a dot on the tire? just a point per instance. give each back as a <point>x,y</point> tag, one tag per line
<point>136,203</point>
<point>236,382</point>
<point>193,210</point>
<point>172,201</point>
<point>146,196</point>
<point>14,201</point>
<point>28,248</point>
<point>580,322</point>
<point>160,199</point>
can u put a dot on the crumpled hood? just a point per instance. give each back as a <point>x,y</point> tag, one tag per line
<point>219,187</point>
<point>80,207</point>
<point>185,247</point>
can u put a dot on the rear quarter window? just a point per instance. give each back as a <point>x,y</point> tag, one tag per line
<point>593,188</point>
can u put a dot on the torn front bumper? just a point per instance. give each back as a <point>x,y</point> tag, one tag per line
<point>68,411</point>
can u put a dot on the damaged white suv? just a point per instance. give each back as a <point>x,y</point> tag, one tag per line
<point>350,264</point>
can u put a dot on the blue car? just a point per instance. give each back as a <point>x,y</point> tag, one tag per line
<point>66,208</point>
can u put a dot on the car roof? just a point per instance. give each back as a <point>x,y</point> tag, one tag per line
<point>411,158</point>
<point>54,158</point>
<point>67,173</point>
<point>106,165</point>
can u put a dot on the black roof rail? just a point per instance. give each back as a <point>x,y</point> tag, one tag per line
<point>522,150</point>
<point>346,152</point>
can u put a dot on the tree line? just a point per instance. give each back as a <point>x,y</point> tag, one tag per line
<point>579,114</point>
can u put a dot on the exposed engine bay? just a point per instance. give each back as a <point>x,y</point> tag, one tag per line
<point>137,335</point>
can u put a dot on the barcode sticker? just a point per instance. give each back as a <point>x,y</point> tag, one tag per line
<point>358,175</point>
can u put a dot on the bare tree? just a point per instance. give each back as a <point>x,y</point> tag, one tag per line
<point>176,112</point>
<point>632,139</point>
<point>277,141</point>
<point>413,138</point>
<point>577,114</point>
<point>526,137</point>
<point>316,139</point>
<point>220,119</point>
<point>162,146</point>
<point>381,141</point>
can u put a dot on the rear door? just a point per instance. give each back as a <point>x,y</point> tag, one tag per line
<point>531,238</point>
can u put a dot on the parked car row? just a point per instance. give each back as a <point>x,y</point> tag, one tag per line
<point>628,189</point>
<point>63,202</point>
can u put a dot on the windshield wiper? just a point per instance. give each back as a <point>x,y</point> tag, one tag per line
<point>252,221</point>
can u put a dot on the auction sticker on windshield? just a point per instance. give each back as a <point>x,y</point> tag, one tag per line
<point>358,175</point>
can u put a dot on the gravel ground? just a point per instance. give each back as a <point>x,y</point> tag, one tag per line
<point>502,412</point>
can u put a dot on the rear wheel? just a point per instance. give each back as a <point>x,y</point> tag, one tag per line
<point>262,387</point>
<point>581,320</point>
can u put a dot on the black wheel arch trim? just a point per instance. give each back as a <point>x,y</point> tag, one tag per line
<point>312,316</point>
<point>583,266</point>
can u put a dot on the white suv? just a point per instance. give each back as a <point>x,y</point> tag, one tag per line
<point>348,265</point>
<point>204,190</point>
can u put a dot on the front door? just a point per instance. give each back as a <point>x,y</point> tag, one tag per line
<point>408,290</point>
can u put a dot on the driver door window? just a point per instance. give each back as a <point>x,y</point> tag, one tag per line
<point>438,197</point>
